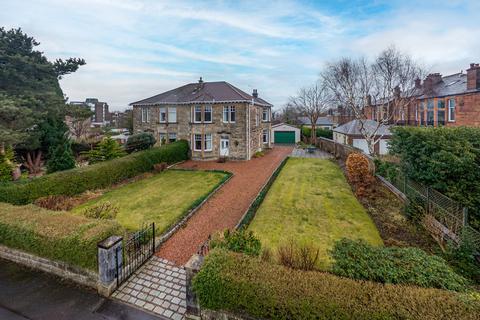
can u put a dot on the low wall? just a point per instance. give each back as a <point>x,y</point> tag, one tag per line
<point>61,269</point>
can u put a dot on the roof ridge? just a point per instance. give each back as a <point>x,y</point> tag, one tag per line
<point>237,91</point>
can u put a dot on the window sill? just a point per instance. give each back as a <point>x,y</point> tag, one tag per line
<point>211,122</point>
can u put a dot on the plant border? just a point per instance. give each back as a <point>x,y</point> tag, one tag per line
<point>255,204</point>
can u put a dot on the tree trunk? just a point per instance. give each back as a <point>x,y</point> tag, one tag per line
<point>314,134</point>
<point>34,162</point>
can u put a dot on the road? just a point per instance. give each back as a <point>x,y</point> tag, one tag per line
<point>34,295</point>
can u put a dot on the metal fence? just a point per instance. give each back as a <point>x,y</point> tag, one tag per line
<point>447,219</point>
<point>134,252</point>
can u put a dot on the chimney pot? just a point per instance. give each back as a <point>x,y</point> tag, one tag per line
<point>200,80</point>
<point>255,93</point>
<point>472,65</point>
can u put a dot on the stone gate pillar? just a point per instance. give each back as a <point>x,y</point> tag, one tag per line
<point>109,257</point>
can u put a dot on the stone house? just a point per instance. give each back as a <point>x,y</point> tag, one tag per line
<point>217,118</point>
<point>452,100</point>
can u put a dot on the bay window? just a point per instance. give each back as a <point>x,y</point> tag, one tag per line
<point>430,114</point>
<point>440,112</point>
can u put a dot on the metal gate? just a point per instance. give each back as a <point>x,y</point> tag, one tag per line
<point>133,253</point>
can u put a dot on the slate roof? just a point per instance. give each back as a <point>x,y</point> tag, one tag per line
<point>202,92</point>
<point>454,84</point>
<point>353,128</point>
<point>322,121</point>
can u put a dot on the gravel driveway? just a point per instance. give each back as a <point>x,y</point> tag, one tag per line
<point>224,209</point>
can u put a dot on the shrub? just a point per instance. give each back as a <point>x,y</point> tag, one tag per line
<point>246,285</point>
<point>446,159</point>
<point>302,257</point>
<point>320,132</point>
<point>359,174</point>
<point>60,158</point>
<point>140,141</point>
<point>100,175</point>
<point>238,241</point>
<point>386,169</point>
<point>359,260</point>
<point>107,149</point>
<point>6,165</point>
<point>54,235</point>
<point>259,154</point>
<point>462,257</point>
<point>159,167</point>
<point>55,203</point>
<point>104,210</point>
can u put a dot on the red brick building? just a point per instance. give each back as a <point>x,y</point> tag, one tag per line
<point>452,100</point>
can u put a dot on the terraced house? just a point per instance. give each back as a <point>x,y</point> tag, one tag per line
<point>452,100</point>
<point>217,118</point>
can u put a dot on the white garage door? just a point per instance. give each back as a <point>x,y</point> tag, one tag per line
<point>361,144</point>
<point>383,146</point>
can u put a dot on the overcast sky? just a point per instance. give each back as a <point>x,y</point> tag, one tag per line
<point>137,48</point>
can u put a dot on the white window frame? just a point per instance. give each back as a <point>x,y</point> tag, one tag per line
<point>172,114</point>
<point>265,115</point>
<point>205,112</point>
<point>450,108</point>
<point>163,110</point>
<point>227,113</point>
<point>145,114</point>
<point>195,114</point>
<point>265,136</point>
<point>208,137</point>
<point>195,142</point>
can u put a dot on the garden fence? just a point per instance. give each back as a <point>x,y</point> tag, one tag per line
<point>445,217</point>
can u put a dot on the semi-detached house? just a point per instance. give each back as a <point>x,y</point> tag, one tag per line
<point>217,118</point>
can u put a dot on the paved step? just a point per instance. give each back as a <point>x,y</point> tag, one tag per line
<point>158,287</point>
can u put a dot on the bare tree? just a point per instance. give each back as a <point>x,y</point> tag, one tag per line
<point>312,102</point>
<point>385,86</point>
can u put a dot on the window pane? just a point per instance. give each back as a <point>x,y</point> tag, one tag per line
<point>163,115</point>
<point>430,118</point>
<point>225,114</point>
<point>208,114</point>
<point>265,115</point>
<point>430,104</point>
<point>198,114</point>
<point>172,114</point>
<point>441,117</point>
<point>232,114</point>
<point>441,104</point>
<point>172,137</point>
<point>451,109</point>
<point>198,142</point>
<point>208,141</point>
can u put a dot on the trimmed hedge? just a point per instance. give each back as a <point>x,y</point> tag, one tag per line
<point>96,176</point>
<point>245,285</point>
<point>252,210</point>
<point>320,132</point>
<point>54,234</point>
<point>359,260</point>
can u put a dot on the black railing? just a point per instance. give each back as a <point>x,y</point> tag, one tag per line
<point>133,253</point>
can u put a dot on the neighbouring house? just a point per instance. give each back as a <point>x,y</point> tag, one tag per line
<point>350,134</point>
<point>340,115</point>
<point>283,133</point>
<point>121,119</point>
<point>217,118</point>
<point>322,122</point>
<point>452,100</point>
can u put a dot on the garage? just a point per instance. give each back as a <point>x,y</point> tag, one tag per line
<point>283,133</point>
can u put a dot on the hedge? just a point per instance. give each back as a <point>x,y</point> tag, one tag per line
<point>446,159</point>
<point>99,175</point>
<point>359,260</point>
<point>54,235</point>
<point>320,132</point>
<point>242,284</point>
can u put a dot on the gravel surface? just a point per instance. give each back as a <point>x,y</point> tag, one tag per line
<point>225,208</point>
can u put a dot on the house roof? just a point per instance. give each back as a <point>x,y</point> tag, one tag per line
<point>353,128</point>
<point>450,85</point>
<point>322,121</point>
<point>285,124</point>
<point>202,92</point>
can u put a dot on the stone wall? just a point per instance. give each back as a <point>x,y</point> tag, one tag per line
<point>58,268</point>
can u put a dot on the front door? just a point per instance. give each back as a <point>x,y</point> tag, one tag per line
<point>224,146</point>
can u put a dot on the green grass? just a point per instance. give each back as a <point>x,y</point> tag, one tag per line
<point>311,203</point>
<point>164,198</point>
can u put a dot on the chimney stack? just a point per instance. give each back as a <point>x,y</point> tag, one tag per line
<point>397,92</point>
<point>473,77</point>
<point>255,93</point>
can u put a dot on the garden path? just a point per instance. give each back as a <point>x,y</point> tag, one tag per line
<point>227,206</point>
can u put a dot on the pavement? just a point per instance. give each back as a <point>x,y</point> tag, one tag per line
<point>34,295</point>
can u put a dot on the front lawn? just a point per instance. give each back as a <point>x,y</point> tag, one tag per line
<point>311,203</point>
<point>163,198</point>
